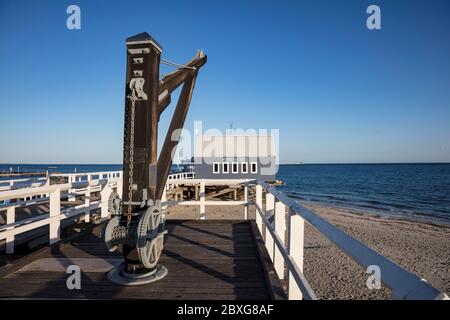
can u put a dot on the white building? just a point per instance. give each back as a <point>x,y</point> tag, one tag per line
<point>236,156</point>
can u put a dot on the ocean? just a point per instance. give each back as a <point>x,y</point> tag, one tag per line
<point>414,191</point>
<point>59,168</point>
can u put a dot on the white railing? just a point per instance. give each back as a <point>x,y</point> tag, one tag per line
<point>172,179</point>
<point>280,221</point>
<point>286,248</point>
<point>40,181</point>
<point>199,185</point>
<point>181,175</point>
<point>88,176</point>
<point>51,194</point>
<point>22,183</point>
<point>74,177</point>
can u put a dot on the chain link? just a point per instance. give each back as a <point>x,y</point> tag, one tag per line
<point>133,99</point>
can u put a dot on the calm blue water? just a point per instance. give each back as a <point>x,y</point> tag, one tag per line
<point>419,191</point>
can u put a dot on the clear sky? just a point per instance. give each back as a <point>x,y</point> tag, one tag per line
<point>337,91</point>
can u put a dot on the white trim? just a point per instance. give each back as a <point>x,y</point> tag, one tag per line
<point>223,167</point>
<point>218,167</point>
<point>232,167</point>
<point>143,42</point>
<point>242,167</point>
<point>256,167</point>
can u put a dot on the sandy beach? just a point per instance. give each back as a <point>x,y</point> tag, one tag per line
<point>421,248</point>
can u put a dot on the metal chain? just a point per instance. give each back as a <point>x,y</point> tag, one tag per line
<point>133,99</point>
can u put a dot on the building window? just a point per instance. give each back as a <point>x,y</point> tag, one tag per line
<point>254,167</point>
<point>216,167</point>
<point>235,167</point>
<point>244,167</point>
<point>225,168</point>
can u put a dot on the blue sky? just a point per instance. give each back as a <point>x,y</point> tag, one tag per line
<point>337,91</point>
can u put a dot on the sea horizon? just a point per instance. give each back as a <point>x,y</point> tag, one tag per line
<point>283,164</point>
<point>417,191</point>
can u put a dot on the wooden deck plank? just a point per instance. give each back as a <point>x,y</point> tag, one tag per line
<point>214,260</point>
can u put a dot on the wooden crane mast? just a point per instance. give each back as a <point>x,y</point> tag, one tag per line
<point>138,223</point>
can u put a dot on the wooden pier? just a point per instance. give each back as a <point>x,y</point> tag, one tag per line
<point>206,260</point>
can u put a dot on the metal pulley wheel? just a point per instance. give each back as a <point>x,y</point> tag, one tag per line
<point>150,236</point>
<point>114,202</point>
<point>113,232</point>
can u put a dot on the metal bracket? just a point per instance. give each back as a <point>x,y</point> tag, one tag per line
<point>137,88</point>
<point>139,51</point>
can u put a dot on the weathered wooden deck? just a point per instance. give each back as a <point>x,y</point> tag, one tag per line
<point>206,260</point>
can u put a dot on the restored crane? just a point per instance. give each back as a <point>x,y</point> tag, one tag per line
<point>137,223</point>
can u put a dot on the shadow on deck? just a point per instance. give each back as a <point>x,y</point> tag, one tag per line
<point>206,260</point>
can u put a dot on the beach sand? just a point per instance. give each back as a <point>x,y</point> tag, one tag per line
<point>421,248</point>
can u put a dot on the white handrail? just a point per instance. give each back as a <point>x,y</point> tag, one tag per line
<point>31,182</point>
<point>181,175</point>
<point>284,239</point>
<point>403,284</point>
<point>22,183</point>
<point>14,181</point>
<point>52,194</point>
<point>200,185</point>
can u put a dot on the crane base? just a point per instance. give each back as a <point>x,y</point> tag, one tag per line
<point>119,276</point>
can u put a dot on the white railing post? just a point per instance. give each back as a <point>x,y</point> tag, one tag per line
<point>104,195</point>
<point>119,185</point>
<point>55,210</point>
<point>270,205</point>
<point>296,232</point>
<point>71,197</point>
<point>280,230</point>
<point>47,183</point>
<point>202,200</point>
<point>164,200</point>
<point>10,219</point>
<point>87,200</point>
<point>246,200</point>
<point>258,202</point>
